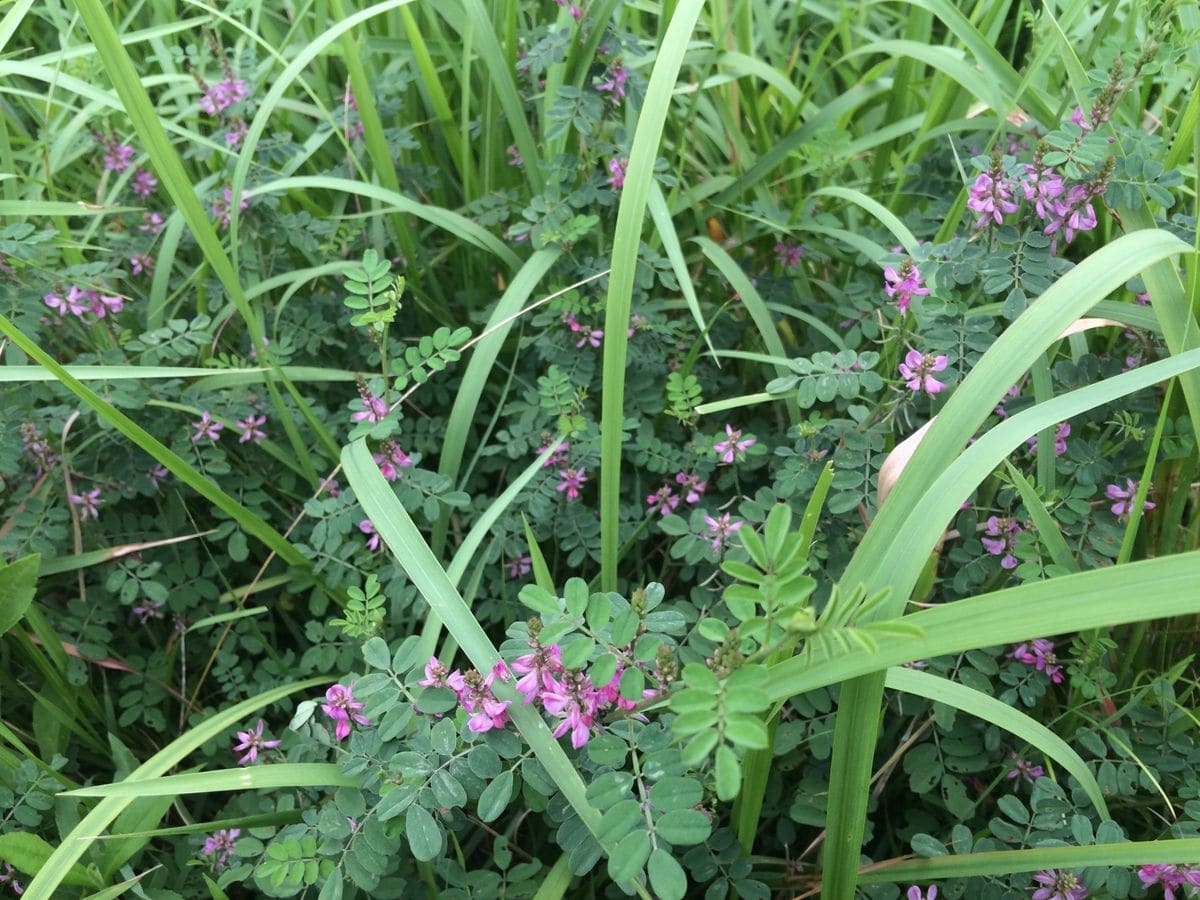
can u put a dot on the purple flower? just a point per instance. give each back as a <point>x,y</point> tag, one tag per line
<point>991,197</point>
<point>141,262</point>
<point>1079,119</point>
<point>477,698</point>
<point>144,183</point>
<point>720,530</point>
<point>374,541</point>
<point>572,481</point>
<point>329,486</point>
<point>1124,498</point>
<point>1061,432</point>
<point>1058,885</point>
<point>615,83</point>
<point>1024,769</point>
<point>591,336</point>
<point>538,670</point>
<point>918,368</point>
<point>557,458</point>
<point>118,157</point>
<point>251,427</point>
<point>575,11</point>
<point>514,157</point>
<point>574,700</point>
<point>904,284</point>
<point>391,459</point>
<point>1039,653</point>
<point>234,136</point>
<point>520,565</point>
<point>1042,186</point>
<point>9,877</point>
<point>692,484</point>
<point>1001,540</point>
<point>220,846</point>
<point>147,609</point>
<point>437,675</point>
<point>152,223</point>
<point>663,501</point>
<point>1170,877</point>
<point>374,409</point>
<point>1072,214</point>
<point>89,503</point>
<point>37,449</point>
<point>222,209</point>
<point>158,475</point>
<point>915,893</point>
<point>733,447</point>
<point>252,743</point>
<point>220,96</point>
<point>788,255</point>
<point>617,168</point>
<point>206,427</point>
<point>103,304</point>
<point>343,709</point>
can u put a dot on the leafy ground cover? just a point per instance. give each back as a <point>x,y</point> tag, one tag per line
<point>494,449</point>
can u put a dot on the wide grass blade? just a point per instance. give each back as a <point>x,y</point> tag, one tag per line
<point>630,219</point>
<point>248,778</point>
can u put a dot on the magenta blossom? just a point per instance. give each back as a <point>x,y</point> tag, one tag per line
<point>539,670</point>
<point>141,262</point>
<point>252,743</point>
<point>1001,540</point>
<point>915,893</point>
<point>1124,498</point>
<point>374,409</point>
<point>788,255</point>
<point>374,541</point>
<point>663,501</point>
<point>1057,884</point>
<point>572,481</point>
<point>207,427</point>
<point>437,675</point>
<point>573,700</point>
<point>520,565</point>
<point>219,846</point>
<point>487,712</point>
<point>220,96</point>
<point>1042,186</point>
<point>991,197</point>
<point>251,428</point>
<point>1061,432</point>
<point>342,708</point>
<point>1039,653</point>
<point>719,530</point>
<point>8,876</point>
<point>917,371</point>
<point>904,284</point>
<point>558,458</point>
<point>615,83</point>
<point>152,223</point>
<point>144,183</point>
<point>617,169</point>
<point>733,447</point>
<point>391,460</point>
<point>89,503</point>
<point>1024,769</point>
<point>118,157</point>
<point>1071,214</point>
<point>1171,877</point>
<point>693,485</point>
<point>222,209</point>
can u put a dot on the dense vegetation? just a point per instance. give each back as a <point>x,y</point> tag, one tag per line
<point>489,449</point>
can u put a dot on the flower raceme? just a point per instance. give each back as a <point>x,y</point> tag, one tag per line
<point>917,371</point>
<point>343,709</point>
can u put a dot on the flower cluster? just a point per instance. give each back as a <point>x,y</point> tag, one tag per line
<point>572,482</point>
<point>616,168</point>
<point>252,743</point>
<point>1172,878</point>
<point>79,302</point>
<point>992,195</point>
<point>1057,884</point>
<point>1124,498</point>
<point>615,82</point>
<point>1039,653</point>
<point>788,255</point>
<point>374,541</point>
<point>37,449</point>
<point>343,709</point>
<point>733,448</point>
<point>220,96</point>
<point>219,846</point>
<point>904,284</point>
<point>373,408</point>
<point>1001,540</point>
<point>917,371</point>
<point>664,501</point>
<point>391,459</point>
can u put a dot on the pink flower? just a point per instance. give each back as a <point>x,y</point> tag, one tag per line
<point>477,698</point>
<point>520,565</point>
<point>788,255</point>
<point>118,157</point>
<point>1170,877</point>
<point>234,136</point>
<point>991,197</point>
<point>342,709</point>
<point>915,893</point>
<point>1058,885</point>
<point>152,223</point>
<point>1072,214</point>
<point>9,877</point>
<point>219,97</point>
<point>904,284</point>
<point>617,168</point>
<point>572,481</point>
<point>220,846</point>
<point>1042,185</point>
<point>391,460</point>
<point>1061,433</point>
<point>575,11</point>
<point>720,530</point>
<point>1039,653</point>
<point>692,484</point>
<point>514,157</point>
<point>330,487</point>
<point>591,336</point>
<point>1079,119</point>
<point>538,669</point>
<point>206,427</point>
<point>917,370</point>
<point>89,503</point>
<point>663,501</point>
<point>558,457</point>
<point>144,183</point>
<point>733,447</point>
<point>437,675</point>
<point>252,743</point>
<point>102,305</point>
<point>222,209</point>
<point>615,83</point>
<point>374,541</point>
<point>158,475</point>
<point>574,701</point>
<point>1002,540</point>
<point>1124,498</point>
<point>141,262</point>
<point>374,409</point>
<point>251,427</point>
<point>1024,769</point>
